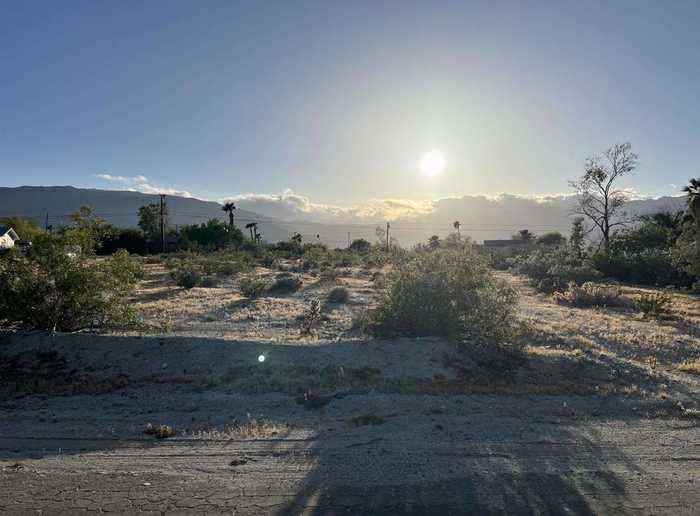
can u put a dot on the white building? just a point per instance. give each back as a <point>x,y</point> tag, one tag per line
<point>8,237</point>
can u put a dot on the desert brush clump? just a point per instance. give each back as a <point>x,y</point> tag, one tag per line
<point>338,295</point>
<point>656,305</point>
<point>286,284</point>
<point>447,292</point>
<point>52,288</point>
<point>590,294</point>
<point>552,269</point>
<point>252,287</point>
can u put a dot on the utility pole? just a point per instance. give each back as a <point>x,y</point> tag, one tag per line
<point>348,239</point>
<point>162,220</point>
<point>46,225</point>
<point>387,236</point>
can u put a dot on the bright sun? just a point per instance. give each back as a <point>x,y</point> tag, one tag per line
<point>432,163</point>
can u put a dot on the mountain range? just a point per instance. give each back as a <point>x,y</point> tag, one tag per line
<point>480,217</point>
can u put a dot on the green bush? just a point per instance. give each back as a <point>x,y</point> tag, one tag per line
<point>188,277</point>
<point>552,269</point>
<point>338,295</point>
<point>656,305</point>
<point>252,287</point>
<point>447,292</point>
<point>51,288</point>
<point>590,294</point>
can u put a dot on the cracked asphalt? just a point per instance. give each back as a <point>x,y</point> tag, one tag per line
<point>424,454</point>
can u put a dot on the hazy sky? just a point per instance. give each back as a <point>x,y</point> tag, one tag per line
<point>339,100</point>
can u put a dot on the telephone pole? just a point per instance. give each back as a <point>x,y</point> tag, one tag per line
<point>387,236</point>
<point>46,225</point>
<point>348,239</point>
<point>162,220</point>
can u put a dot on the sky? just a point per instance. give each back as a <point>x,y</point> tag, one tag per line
<point>336,103</point>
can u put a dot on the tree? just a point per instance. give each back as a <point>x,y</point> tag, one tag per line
<point>149,220</point>
<point>360,245</point>
<point>525,235</point>
<point>25,228</point>
<point>252,226</point>
<point>434,242</point>
<point>578,237</point>
<point>229,207</point>
<point>693,191</point>
<point>598,198</point>
<point>456,224</point>
<point>86,230</point>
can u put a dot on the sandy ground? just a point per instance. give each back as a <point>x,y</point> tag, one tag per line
<point>600,419</point>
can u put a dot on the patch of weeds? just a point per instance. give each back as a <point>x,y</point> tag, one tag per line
<point>590,294</point>
<point>366,420</point>
<point>691,367</point>
<point>688,413</point>
<point>338,295</point>
<point>656,305</point>
<point>311,316</point>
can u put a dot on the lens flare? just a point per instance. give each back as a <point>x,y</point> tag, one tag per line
<point>261,358</point>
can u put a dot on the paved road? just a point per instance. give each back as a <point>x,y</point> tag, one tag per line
<point>479,454</point>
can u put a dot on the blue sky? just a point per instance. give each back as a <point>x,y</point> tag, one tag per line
<point>338,101</point>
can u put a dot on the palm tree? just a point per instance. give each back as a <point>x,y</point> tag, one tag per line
<point>229,207</point>
<point>456,224</point>
<point>250,226</point>
<point>693,191</point>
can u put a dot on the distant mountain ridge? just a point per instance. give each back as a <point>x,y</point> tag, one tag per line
<point>480,217</point>
<point>120,207</point>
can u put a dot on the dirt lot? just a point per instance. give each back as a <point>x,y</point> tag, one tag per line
<point>602,418</point>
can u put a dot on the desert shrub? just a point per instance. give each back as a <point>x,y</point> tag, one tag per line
<point>329,275</point>
<point>286,284</point>
<point>590,294</point>
<point>187,277</point>
<point>208,282</point>
<point>53,289</point>
<point>360,246</point>
<point>338,295</point>
<point>447,292</point>
<point>252,287</point>
<point>552,269</point>
<point>657,304</point>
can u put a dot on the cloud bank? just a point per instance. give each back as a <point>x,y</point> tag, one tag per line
<point>140,183</point>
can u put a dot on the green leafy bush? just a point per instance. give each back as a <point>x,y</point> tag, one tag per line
<point>252,287</point>
<point>447,292</point>
<point>590,294</point>
<point>51,288</point>
<point>552,269</point>
<point>188,277</point>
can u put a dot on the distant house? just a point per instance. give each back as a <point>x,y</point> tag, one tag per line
<point>505,247</point>
<point>8,237</point>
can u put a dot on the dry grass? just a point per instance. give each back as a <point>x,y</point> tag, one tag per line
<point>252,428</point>
<point>691,367</point>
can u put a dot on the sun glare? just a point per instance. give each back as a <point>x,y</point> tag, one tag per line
<point>432,163</point>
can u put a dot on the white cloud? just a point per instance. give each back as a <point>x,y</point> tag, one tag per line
<point>140,183</point>
<point>110,177</point>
